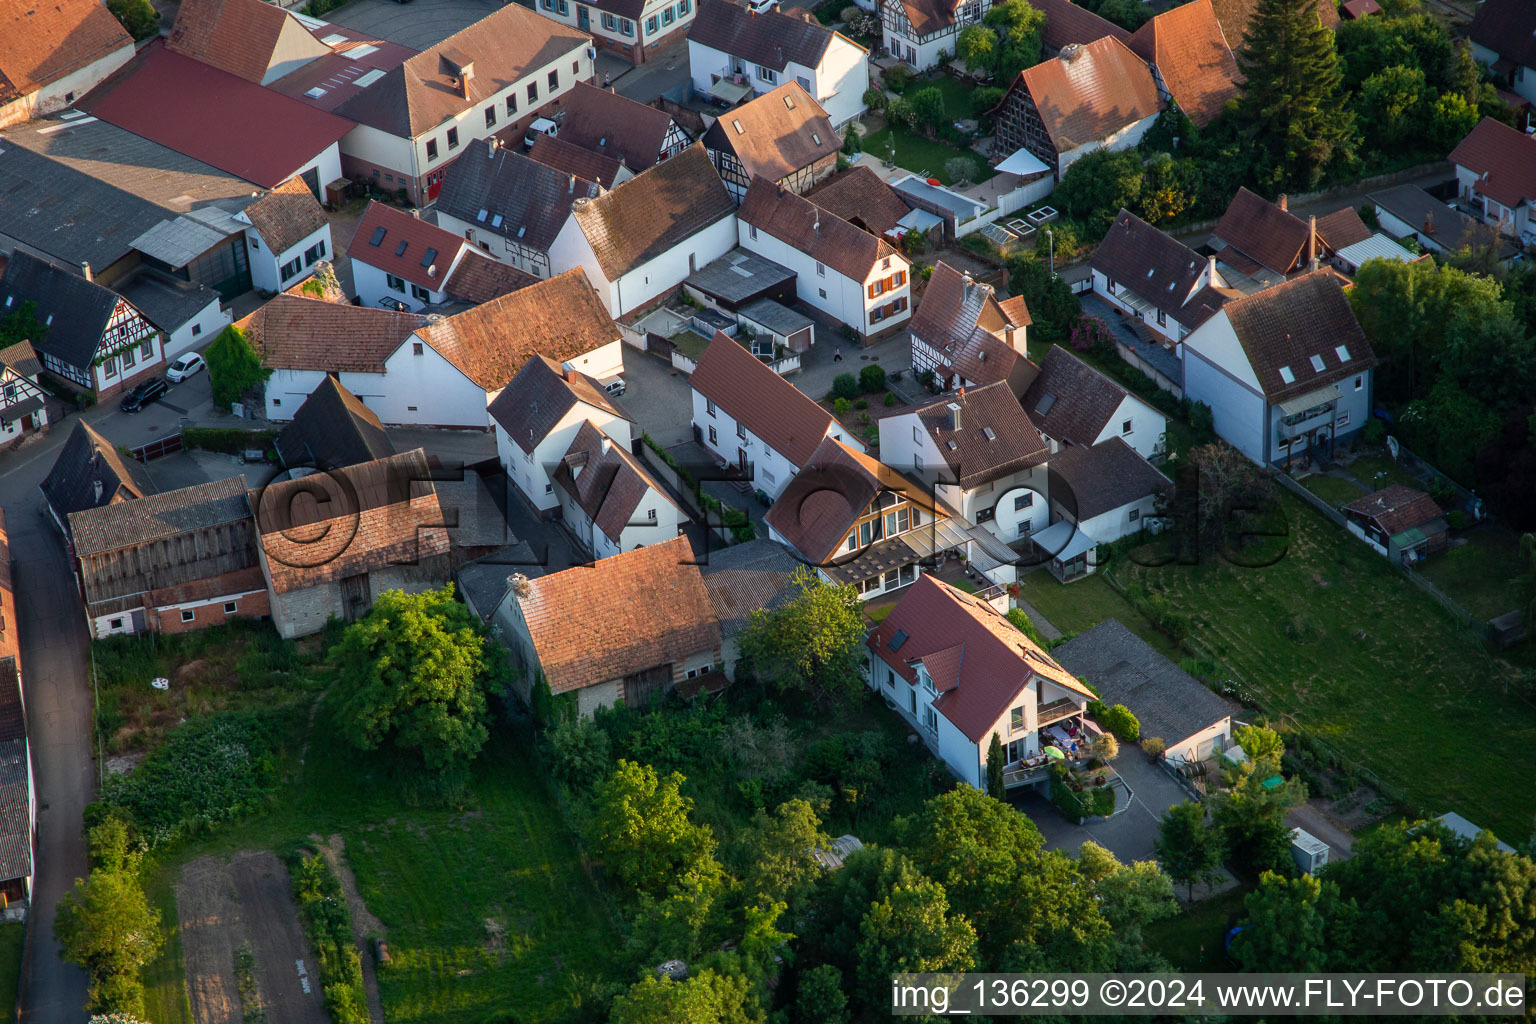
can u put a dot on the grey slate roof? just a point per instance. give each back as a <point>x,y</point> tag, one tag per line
<point>86,458</point>
<point>486,580</point>
<point>15,811</point>
<point>739,275</point>
<point>524,201</point>
<point>1103,478</point>
<point>165,301</point>
<point>75,311</point>
<point>746,576</point>
<point>180,240</point>
<point>539,395</point>
<point>1170,703</point>
<point>157,516</point>
<point>776,317</point>
<point>332,429</point>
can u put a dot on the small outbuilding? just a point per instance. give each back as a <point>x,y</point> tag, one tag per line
<point>1399,522</point>
<point>1309,852</point>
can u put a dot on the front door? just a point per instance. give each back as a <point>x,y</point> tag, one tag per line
<point>741,459</point>
<point>640,687</point>
<point>583,21</point>
<point>434,185</point>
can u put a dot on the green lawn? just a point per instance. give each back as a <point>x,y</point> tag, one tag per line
<point>1332,638</point>
<point>921,155</point>
<point>1331,489</point>
<point>1377,471</point>
<point>1481,573</point>
<point>1084,603</point>
<point>434,878</point>
<point>12,935</point>
<point>1196,939</point>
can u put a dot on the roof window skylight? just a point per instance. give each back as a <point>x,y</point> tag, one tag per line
<point>1286,375</point>
<point>315,93</point>
<point>496,221</point>
<point>401,251</point>
<point>1317,364</point>
<point>361,51</point>
<point>739,129</point>
<point>429,257</point>
<point>481,216</point>
<point>378,237</point>
<point>1343,353</point>
<point>364,81</point>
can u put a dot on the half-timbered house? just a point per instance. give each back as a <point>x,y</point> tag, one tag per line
<point>23,405</point>
<point>784,136</point>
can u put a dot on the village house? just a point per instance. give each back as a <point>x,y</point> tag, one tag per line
<point>23,405</point>
<point>1503,37</point>
<point>979,452</point>
<point>95,340</point>
<point>734,52</point>
<point>1285,371</point>
<point>1190,58</point>
<point>1153,277</point>
<point>615,127</point>
<point>921,31</point>
<point>286,235</point>
<point>186,314</point>
<point>783,136</point>
<point>1093,96</point>
<point>332,429</point>
<point>959,674</point>
<point>621,631</point>
<point>573,161</point>
<point>53,54</point>
<point>1098,495</point>
<point>1066,24</point>
<point>630,28</point>
<point>965,337</point>
<point>1194,723</point>
<point>1496,175</point>
<point>751,418</point>
<point>608,500</point>
<point>90,472</point>
<point>169,562</point>
<point>740,279</point>
<point>254,40</point>
<point>849,274</point>
<point>18,794</point>
<point>429,370</point>
<point>1236,16</point>
<point>493,77</point>
<point>1400,523</point>
<point>331,542</point>
<point>510,205</point>
<point>399,260</point>
<point>1259,243</point>
<point>537,417</point>
<point>1074,404</point>
<point>862,198</point>
<point>741,579</point>
<point>643,239</point>
<point>1407,211</point>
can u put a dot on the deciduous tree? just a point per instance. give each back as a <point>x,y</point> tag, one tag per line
<point>1131,896</point>
<point>234,368</point>
<point>821,997</point>
<point>912,929</point>
<point>1187,848</point>
<point>813,642</point>
<point>642,829</point>
<point>1286,927</point>
<point>778,847</point>
<point>705,998</point>
<point>107,926</point>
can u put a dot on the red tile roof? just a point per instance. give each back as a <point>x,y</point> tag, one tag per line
<point>286,216</point>
<point>337,74</point>
<point>397,243</point>
<point>624,614</point>
<point>772,408</point>
<point>607,482</point>
<point>862,197</point>
<point>215,117</point>
<point>1504,160</point>
<point>983,661</point>
<point>1191,53</point>
<point>1236,15</point>
<point>603,122</point>
<point>828,239</point>
<point>480,278</point>
<point>43,42</point>
<point>1067,23</point>
<point>586,165</point>
<point>1396,508</point>
<point>1089,93</point>
<point>1272,237</point>
<point>237,36</point>
<point>777,133</point>
<point>293,332</point>
<point>1357,9</point>
<point>1287,325</point>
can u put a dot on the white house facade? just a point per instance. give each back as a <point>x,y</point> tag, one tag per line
<point>838,82</point>
<point>279,271</point>
<point>654,277</point>
<point>623,28</point>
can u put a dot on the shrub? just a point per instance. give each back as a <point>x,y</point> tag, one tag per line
<point>897,78</point>
<point>1456,519</point>
<point>900,111</point>
<point>234,368</point>
<point>845,385</point>
<point>890,399</point>
<point>872,379</point>
<point>328,925</point>
<point>139,17</point>
<point>230,441</point>
<point>861,404</point>
<point>959,168</point>
<point>840,406</point>
<point>1117,719</point>
<point>863,419</point>
<point>1153,746</point>
<point>1105,747</point>
<point>986,98</point>
<point>1374,431</point>
<point>926,273</point>
<point>850,141</point>
<point>874,99</point>
<point>914,243</point>
<point>1021,622</point>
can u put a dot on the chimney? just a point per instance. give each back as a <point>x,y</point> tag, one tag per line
<point>96,484</point>
<point>969,283</point>
<point>1311,243</point>
<point>954,416</point>
<point>1429,222</point>
<point>85,270</point>
<point>416,212</point>
<point>466,75</point>
<point>1283,202</point>
<point>571,185</point>
<point>1212,269</point>
<point>491,143</point>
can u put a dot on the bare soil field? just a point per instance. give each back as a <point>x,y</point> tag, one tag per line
<point>246,899</point>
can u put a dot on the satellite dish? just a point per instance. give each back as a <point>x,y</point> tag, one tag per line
<point>1393,447</point>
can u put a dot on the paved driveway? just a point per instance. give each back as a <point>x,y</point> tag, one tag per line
<point>1130,835</point>
<point>418,24</point>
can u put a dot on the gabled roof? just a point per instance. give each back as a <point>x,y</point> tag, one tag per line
<point>74,311</point>
<point>1357,9</point>
<point>769,406</point>
<point>777,133</point>
<point>995,439</point>
<point>1273,238</point>
<point>1067,23</point>
<point>829,493</point>
<point>505,193</point>
<point>538,398</point>
<point>286,216</point>
<point>929,16</point>
<point>614,126</point>
<point>745,577</point>
<point>424,91</point>
<point>86,459</point>
<point>408,247</point>
<point>350,62</point>
<point>605,481</point>
<point>1100,479</point>
<point>953,305</point>
<point>620,615</point>
<point>654,211</point>
<point>1090,92</point>
<point>803,226</point>
<point>1191,53</point>
<point>1236,16</point>
<point>561,317</point>
<point>861,197</point>
<point>1070,401</point>
<point>480,278</point>
<point>1508,28</point>
<point>1152,264</point>
<point>216,117</point>
<point>41,43</point>
<point>569,159</point>
<point>1433,219</point>
<point>1287,326</point>
<point>21,359</point>
<point>293,332</point>
<point>983,659</point>
<point>237,36</point>
<point>333,428</point>
<point>159,516</point>
<point>1342,228</point>
<point>1503,158</point>
<point>770,38</point>
<point>354,520</point>
<point>1396,508</point>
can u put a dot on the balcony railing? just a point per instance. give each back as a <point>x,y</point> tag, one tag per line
<point>1056,710</point>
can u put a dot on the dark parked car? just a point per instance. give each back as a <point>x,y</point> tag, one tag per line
<point>144,394</point>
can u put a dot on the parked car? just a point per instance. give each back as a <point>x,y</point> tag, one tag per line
<point>762,6</point>
<point>614,386</point>
<point>540,126</point>
<point>184,367</point>
<point>146,393</point>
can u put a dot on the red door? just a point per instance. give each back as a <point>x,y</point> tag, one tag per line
<point>434,185</point>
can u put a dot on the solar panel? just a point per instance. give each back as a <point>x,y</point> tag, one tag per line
<point>378,237</point>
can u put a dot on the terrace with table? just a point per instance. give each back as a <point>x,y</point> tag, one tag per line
<point>1064,736</point>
